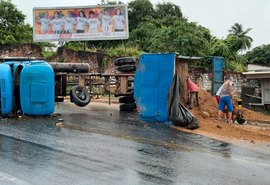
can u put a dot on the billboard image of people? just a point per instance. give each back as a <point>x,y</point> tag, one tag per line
<point>108,22</point>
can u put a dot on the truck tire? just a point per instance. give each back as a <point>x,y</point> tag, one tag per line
<point>126,68</point>
<point>128,107</point>
<point>124,61</point>
<point>80,96</point>
<point>240,120</point>
<point>126,99</point>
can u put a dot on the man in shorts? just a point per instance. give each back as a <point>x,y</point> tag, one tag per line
<point>226,100</point>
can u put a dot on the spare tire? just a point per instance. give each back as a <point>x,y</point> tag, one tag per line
<point>124,61</point>
<point>128,107</point>
<point>126,99</point>
<point>80,96</point>
<point>126,68</point>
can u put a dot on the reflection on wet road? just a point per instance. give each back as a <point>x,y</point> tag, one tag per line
<point>97,145</point>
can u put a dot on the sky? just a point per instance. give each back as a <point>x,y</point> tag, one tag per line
<point>216,15</point>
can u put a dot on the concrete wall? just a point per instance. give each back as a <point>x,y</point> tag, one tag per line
<point>203,77</point>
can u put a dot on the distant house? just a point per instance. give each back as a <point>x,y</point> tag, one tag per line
<point>262,74</point>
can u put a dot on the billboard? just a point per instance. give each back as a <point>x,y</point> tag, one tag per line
<point>101,22</point>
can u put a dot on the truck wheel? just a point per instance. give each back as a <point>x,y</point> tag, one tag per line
<point>126,68</point>
<point>124,61</point>
<point>126,99</point>
<point>240,120</point>
<point>128,107</point>
<point>80,96</point>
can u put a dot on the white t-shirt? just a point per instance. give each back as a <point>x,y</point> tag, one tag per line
<point>57,24</point>
<point>106,21</point>
<point>81,23</point>
<point>69,23</point>
<point>119,22</point>
<point>93,24</point>
<point>45,24</point>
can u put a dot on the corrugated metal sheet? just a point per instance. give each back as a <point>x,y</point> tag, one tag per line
<point>152,84</point>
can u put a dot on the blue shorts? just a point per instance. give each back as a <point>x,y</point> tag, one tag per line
<point>226,100</point>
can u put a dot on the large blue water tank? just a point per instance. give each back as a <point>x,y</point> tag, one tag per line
<point>6,90</point>
<point>37,88</point>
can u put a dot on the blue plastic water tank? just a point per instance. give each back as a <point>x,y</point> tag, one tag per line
<point>6,89</point>
<point>37,88</point>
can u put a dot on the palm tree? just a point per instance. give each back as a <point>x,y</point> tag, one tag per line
<point>238,32</point>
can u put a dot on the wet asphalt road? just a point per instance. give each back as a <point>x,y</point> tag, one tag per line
<point>101,146</point>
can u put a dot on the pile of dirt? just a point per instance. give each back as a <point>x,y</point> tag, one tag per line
<point>255,129</point>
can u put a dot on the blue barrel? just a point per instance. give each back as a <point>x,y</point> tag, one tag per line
<point>6,89</point>
<point>37,88</point>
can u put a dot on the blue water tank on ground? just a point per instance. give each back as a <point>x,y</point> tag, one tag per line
<point>37,88</point>
<point>6,89</point>
<point>152,83</point>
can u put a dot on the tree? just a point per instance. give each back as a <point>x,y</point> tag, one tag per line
<point>137,11</point>
<point>166,9</point>
<point>183,37</point>
<point>13,30</point>
<point>240,39</point>
<point>259,55</point>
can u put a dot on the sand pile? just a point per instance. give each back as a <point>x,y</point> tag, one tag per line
<point>252,130</point>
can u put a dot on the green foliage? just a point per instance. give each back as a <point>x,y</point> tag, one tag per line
<point>124,51</point>
<point>138,9</point>
<point>76,46</point>
<point>13,30</point>
<point>236,66</point>
<point>48,54</point>
<point>105,63</point>
<point>238,38</point>
<point>260,55</point>
<point>167,9</point>
<point>182,37</point>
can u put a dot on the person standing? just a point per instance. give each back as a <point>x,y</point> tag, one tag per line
<point>57,23</point>
<point>226,94</point>
<point>93,23</point>
<point>81,21</point>
<point>45,23</point>
<point>193,92</point>
<point>69,23</point>
<point>106,21</point>
<point>118,21</point>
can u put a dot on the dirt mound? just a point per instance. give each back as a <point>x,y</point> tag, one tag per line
<point>256,128</point>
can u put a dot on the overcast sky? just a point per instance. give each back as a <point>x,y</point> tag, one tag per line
<point>217,15</point>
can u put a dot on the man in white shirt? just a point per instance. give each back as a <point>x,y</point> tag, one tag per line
<point>57,23</point>
<point>69,23</point>
<point>45,23</point>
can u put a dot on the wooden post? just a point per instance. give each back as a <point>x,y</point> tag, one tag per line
<point>123,85</point>
<point>82,80</point>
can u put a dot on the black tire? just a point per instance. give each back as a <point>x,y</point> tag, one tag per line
<point>128,107</point>
<point>240,120</point>
<point>80,96</point>
<point>130,79</point>
<point>126,68</point>
<point>130,89</point>
<point>124,61</point>
<point>127,99</point>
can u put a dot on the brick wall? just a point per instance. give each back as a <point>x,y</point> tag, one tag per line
<point>203,76</point>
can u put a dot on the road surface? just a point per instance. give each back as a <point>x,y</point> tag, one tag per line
<point>101,146</point>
